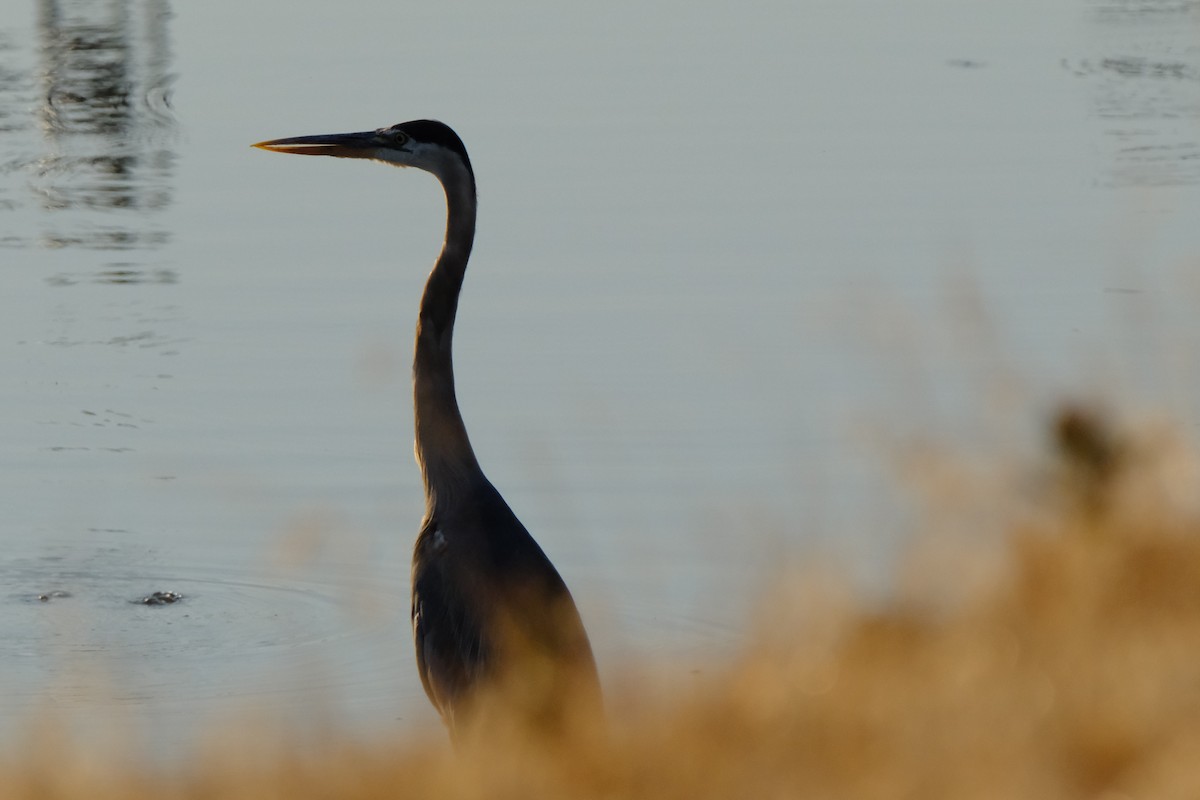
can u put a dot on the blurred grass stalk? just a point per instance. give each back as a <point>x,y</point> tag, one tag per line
<point>1070,668</point>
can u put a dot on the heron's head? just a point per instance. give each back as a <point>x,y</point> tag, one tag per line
<point>423,143</point>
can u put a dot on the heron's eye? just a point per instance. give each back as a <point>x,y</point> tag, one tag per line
<point>399,137</point>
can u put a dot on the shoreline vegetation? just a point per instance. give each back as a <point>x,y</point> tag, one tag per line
<point>1058,659</point>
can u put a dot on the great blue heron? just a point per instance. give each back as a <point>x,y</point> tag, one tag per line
<point>489,610</point>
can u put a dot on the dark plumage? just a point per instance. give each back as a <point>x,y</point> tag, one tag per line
<point>494,623</point>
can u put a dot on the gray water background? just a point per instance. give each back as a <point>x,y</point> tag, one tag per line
<point>731,258</point>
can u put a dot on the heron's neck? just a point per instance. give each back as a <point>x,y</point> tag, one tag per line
<point>442,448</point>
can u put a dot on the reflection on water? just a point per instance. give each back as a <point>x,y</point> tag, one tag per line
<point>14,83</point>
<point>91,128</point>
<point>96,78</point>
<point>1147,89</point>
<point>116,274</point>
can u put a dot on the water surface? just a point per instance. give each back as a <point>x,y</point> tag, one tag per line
<point>727,259</point>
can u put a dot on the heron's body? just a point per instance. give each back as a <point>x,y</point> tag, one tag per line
<point>489,610</point>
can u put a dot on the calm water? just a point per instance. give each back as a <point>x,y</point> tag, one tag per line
<point>727,259</point>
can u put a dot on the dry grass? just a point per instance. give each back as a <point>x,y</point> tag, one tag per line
<point>1071,670</point>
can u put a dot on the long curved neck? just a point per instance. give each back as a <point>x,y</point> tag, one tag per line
<point>442,448</point>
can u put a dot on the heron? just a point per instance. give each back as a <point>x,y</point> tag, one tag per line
<point>490,613</point>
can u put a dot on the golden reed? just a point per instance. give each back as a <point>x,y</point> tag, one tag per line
<point>1068,667</point>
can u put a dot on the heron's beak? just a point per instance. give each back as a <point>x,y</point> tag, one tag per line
<point>342,145</point>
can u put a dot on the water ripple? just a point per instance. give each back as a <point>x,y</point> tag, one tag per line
<point>88,104</point>
<point>1145,90</point>
<point>79,637</point>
